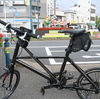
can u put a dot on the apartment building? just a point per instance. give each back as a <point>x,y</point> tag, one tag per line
<point>86,13</point>
<point>17,12</point>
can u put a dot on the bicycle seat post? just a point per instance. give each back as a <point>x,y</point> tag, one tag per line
<point>68,51</point>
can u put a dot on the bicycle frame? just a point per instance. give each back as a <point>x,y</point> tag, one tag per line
<point>49,74</point>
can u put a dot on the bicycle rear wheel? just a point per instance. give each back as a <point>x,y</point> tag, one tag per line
<point>5,89</point>
<point>94,73</point>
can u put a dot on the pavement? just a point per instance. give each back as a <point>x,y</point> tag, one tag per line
<point>30,83</point>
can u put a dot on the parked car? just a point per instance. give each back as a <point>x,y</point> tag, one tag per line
<point>94,29</point>
<point>74,27</point>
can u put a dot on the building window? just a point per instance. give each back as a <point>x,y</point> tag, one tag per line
<point>59,18</point>
<point>93,11</point>
<point>38,10</point>
<point>36,0</point>
<point>72,17</point>
<point>92,18</point>
<point>1,9</point>
<point>17,9</point>
<point>33,9</point>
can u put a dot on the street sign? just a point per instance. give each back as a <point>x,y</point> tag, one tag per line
<point>16,14</point>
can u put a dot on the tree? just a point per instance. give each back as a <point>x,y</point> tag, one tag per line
<point>97,21</point>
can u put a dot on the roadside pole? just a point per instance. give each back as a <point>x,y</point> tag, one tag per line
<point>31,25</point>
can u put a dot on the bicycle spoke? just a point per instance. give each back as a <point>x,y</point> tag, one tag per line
<point>84,83</point>
<point>5,89</point>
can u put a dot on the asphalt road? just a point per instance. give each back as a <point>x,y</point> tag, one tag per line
<point>57,48</point>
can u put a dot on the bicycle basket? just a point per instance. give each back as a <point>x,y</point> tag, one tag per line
<point>81,42</point>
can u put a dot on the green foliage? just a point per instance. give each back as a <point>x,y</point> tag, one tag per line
<point>97,21</point>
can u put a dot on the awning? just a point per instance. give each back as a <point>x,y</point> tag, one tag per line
<point>92,24</point>
<point>73,22</point>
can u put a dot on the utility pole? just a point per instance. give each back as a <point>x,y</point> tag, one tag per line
<point>4,2</point>
<point>38,13</point>
<point>54,7</point>
<point>31,25</point>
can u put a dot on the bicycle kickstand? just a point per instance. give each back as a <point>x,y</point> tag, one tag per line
<point>42,90</point>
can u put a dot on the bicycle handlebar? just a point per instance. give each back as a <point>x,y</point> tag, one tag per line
<point>2,22</point>
<point>18,30</point>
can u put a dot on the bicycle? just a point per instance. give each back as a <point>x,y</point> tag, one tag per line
<point>85,85</point>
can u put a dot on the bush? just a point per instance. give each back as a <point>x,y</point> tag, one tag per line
<point>1,40</point>
<point>53,28</point>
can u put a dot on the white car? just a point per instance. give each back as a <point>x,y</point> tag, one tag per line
<point>94,30</point>
<point>74,27</point>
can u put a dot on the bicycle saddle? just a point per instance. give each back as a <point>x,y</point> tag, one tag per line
<point>75,32</point>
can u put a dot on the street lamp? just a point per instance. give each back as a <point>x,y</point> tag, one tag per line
<point>54,7</point>
<point>38,13</point>
<point>6,4</point>
<point>14,13</point>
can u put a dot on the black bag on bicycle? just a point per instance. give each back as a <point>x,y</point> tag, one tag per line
<point>81,42</point>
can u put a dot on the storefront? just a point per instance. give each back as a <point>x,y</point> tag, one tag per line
<point>24,22</point>
<point>92,25</point>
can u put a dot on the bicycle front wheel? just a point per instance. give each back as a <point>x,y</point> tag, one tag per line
<point>6,89</point>
<point>94,73</point>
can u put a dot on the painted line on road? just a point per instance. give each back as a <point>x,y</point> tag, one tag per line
<point>54,46</point>
<point>82,50</point>
<point>88,56</point>
<point>53,62</point>
<point>44,46</point>
<point>49,54</point>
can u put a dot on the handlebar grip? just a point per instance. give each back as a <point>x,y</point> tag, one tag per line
<point>2,22</point>
<point>33,35</point>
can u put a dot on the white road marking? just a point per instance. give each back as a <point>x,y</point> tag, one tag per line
<point>87,56</point>
<point>49,54</point>
<point>82,50</point>
<point>53,62</point>
<point>57,47</point>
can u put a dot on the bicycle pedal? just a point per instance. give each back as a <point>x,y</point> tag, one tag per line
<point>42,90</point>
<point>70,76</point>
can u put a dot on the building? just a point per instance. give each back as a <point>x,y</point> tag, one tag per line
<point>17,12</point>
<point>70,16</point>
<point>60,17</point>
<point>86,13</point>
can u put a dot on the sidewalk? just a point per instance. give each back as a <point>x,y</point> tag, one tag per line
<point>30,84</point>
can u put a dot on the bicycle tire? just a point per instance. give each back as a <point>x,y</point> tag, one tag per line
<point>6,90</point>
<point>94,73</point>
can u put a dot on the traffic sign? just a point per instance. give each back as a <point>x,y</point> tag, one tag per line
<point>16,14</point>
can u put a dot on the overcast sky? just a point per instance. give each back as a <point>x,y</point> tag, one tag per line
<point>65,4</point>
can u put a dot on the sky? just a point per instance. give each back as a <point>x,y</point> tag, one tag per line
<point>65,4</point>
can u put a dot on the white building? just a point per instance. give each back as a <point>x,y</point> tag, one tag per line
<point>86,13</point>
